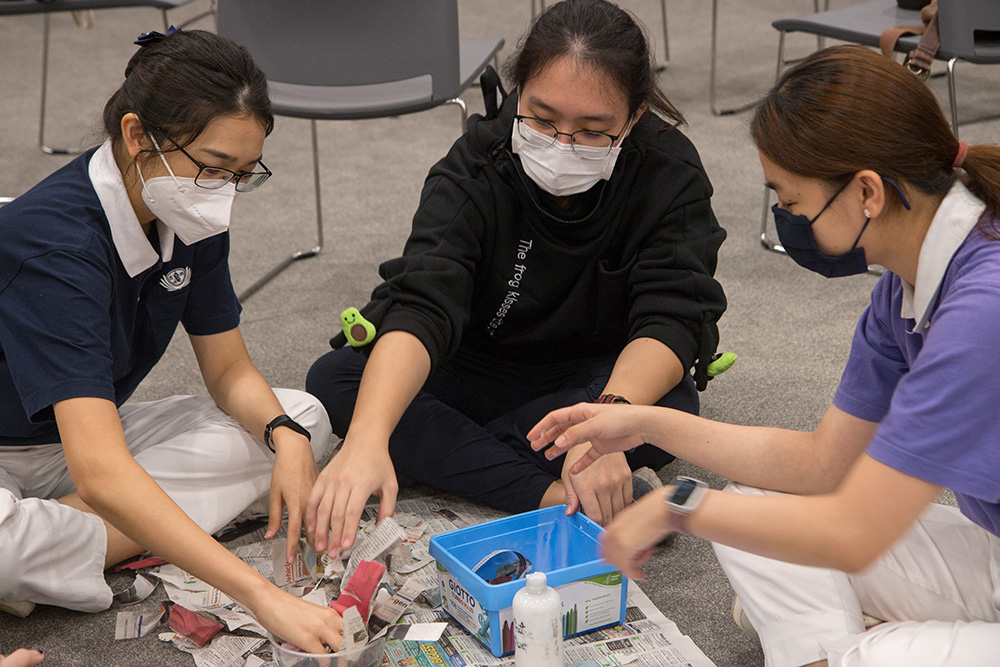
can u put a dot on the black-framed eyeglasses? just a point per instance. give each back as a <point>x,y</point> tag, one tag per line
<point>213,178</point>
<point>587,144</point>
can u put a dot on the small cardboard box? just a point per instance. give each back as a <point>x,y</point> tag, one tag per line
<point>564,547</point>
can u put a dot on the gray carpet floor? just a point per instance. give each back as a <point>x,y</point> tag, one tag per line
<point>790,328</point>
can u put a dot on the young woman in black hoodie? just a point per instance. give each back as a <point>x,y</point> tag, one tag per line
<point>562,251</point>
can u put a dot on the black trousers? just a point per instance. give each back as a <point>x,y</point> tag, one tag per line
<point>464,432</point>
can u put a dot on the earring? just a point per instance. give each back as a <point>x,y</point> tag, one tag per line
<point>868,214</point>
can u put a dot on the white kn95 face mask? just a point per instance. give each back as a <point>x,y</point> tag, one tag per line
<point>191,212</point>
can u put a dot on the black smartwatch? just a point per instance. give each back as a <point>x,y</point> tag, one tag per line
<point>283,420</point>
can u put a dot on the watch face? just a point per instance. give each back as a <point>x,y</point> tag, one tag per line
<point>683,492</point>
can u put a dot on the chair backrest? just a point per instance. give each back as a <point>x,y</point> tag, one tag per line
<point>970,29</point>
<point>348,42</point>
<point>10,7</point>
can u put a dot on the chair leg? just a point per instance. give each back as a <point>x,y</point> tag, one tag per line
<point>211,11</point>
<point>820,40</point>
<point>46,27</point>
<point>953,99</point>
<point>951,96</point>
<point>666,39</point>
<point>711,72</point>
<point>768,244</point>
<point>711,85</point>
<point>464,109</point>
<point>781,56</point>
<point>42,146</point>
<point>300,254</point>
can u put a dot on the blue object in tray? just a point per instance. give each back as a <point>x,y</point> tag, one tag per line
<point>565,548</point>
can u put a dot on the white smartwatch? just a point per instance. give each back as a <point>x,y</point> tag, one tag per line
<point>687,495</point>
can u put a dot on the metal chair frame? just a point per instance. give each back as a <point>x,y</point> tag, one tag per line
<point>46,29</point>
<point>317,189</point>
<point>716,111</point>
<point>47,9</point>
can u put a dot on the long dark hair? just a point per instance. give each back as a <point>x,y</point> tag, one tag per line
<point>600,34</point>
<point>847,108</point>
<point>178,85</point>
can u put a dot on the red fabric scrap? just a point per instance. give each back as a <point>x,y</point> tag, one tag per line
<point>360,588</point>
<point>192,625</point>
<point>139,564</point>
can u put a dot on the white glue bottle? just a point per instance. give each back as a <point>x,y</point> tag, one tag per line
<point>538,637</point>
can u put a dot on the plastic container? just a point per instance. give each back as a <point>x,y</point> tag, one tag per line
<point>538,624</point>
<point>364,656</point>
<point>566,548</point>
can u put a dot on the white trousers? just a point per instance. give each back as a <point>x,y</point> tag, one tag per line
<point>937,588</point>
<point>200,456</point>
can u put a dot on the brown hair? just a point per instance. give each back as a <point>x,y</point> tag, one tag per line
<point>847,108</point>
<point>599,34</point>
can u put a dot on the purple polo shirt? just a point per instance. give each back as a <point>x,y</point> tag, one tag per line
<point>923,364</point>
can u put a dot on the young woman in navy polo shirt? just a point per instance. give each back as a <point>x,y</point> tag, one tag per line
<point>866,170</point>
<point>98,264</point>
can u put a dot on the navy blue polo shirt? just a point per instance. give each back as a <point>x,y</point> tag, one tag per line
<point>88,302</point>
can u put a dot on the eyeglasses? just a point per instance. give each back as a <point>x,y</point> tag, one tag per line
<point>587,144</point>
<point>213,178</point>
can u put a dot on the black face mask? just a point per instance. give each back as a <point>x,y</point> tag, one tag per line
<point>797,238</point>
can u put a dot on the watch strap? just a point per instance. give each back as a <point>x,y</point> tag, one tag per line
<point>613,398</point>
<point>283,420</point>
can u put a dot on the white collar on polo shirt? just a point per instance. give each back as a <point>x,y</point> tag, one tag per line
<point>956,216</point>
<point>134,249</point>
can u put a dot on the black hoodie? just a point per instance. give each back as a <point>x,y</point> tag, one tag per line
<point>493,263</point>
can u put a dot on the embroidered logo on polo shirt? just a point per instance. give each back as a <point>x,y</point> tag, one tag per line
<point>176,279</point>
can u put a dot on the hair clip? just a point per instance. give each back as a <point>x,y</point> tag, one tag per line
<point>151,37</point>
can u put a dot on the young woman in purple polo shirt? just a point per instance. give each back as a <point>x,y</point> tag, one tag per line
<point>867,171</point>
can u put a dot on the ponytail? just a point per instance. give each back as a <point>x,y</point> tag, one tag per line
<point>982,177</point>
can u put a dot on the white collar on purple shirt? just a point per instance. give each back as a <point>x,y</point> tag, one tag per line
<point>956,216</point>
<point>134,249</point>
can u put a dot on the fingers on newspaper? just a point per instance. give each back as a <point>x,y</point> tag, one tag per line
<point>371,586</point>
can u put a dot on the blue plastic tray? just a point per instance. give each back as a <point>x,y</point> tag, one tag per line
<point>564,547</point>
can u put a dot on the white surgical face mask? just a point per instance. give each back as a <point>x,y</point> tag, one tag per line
<point>190,212</point>
<point>558,169</point>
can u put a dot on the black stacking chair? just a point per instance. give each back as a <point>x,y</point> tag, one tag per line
<point>345,60</point>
